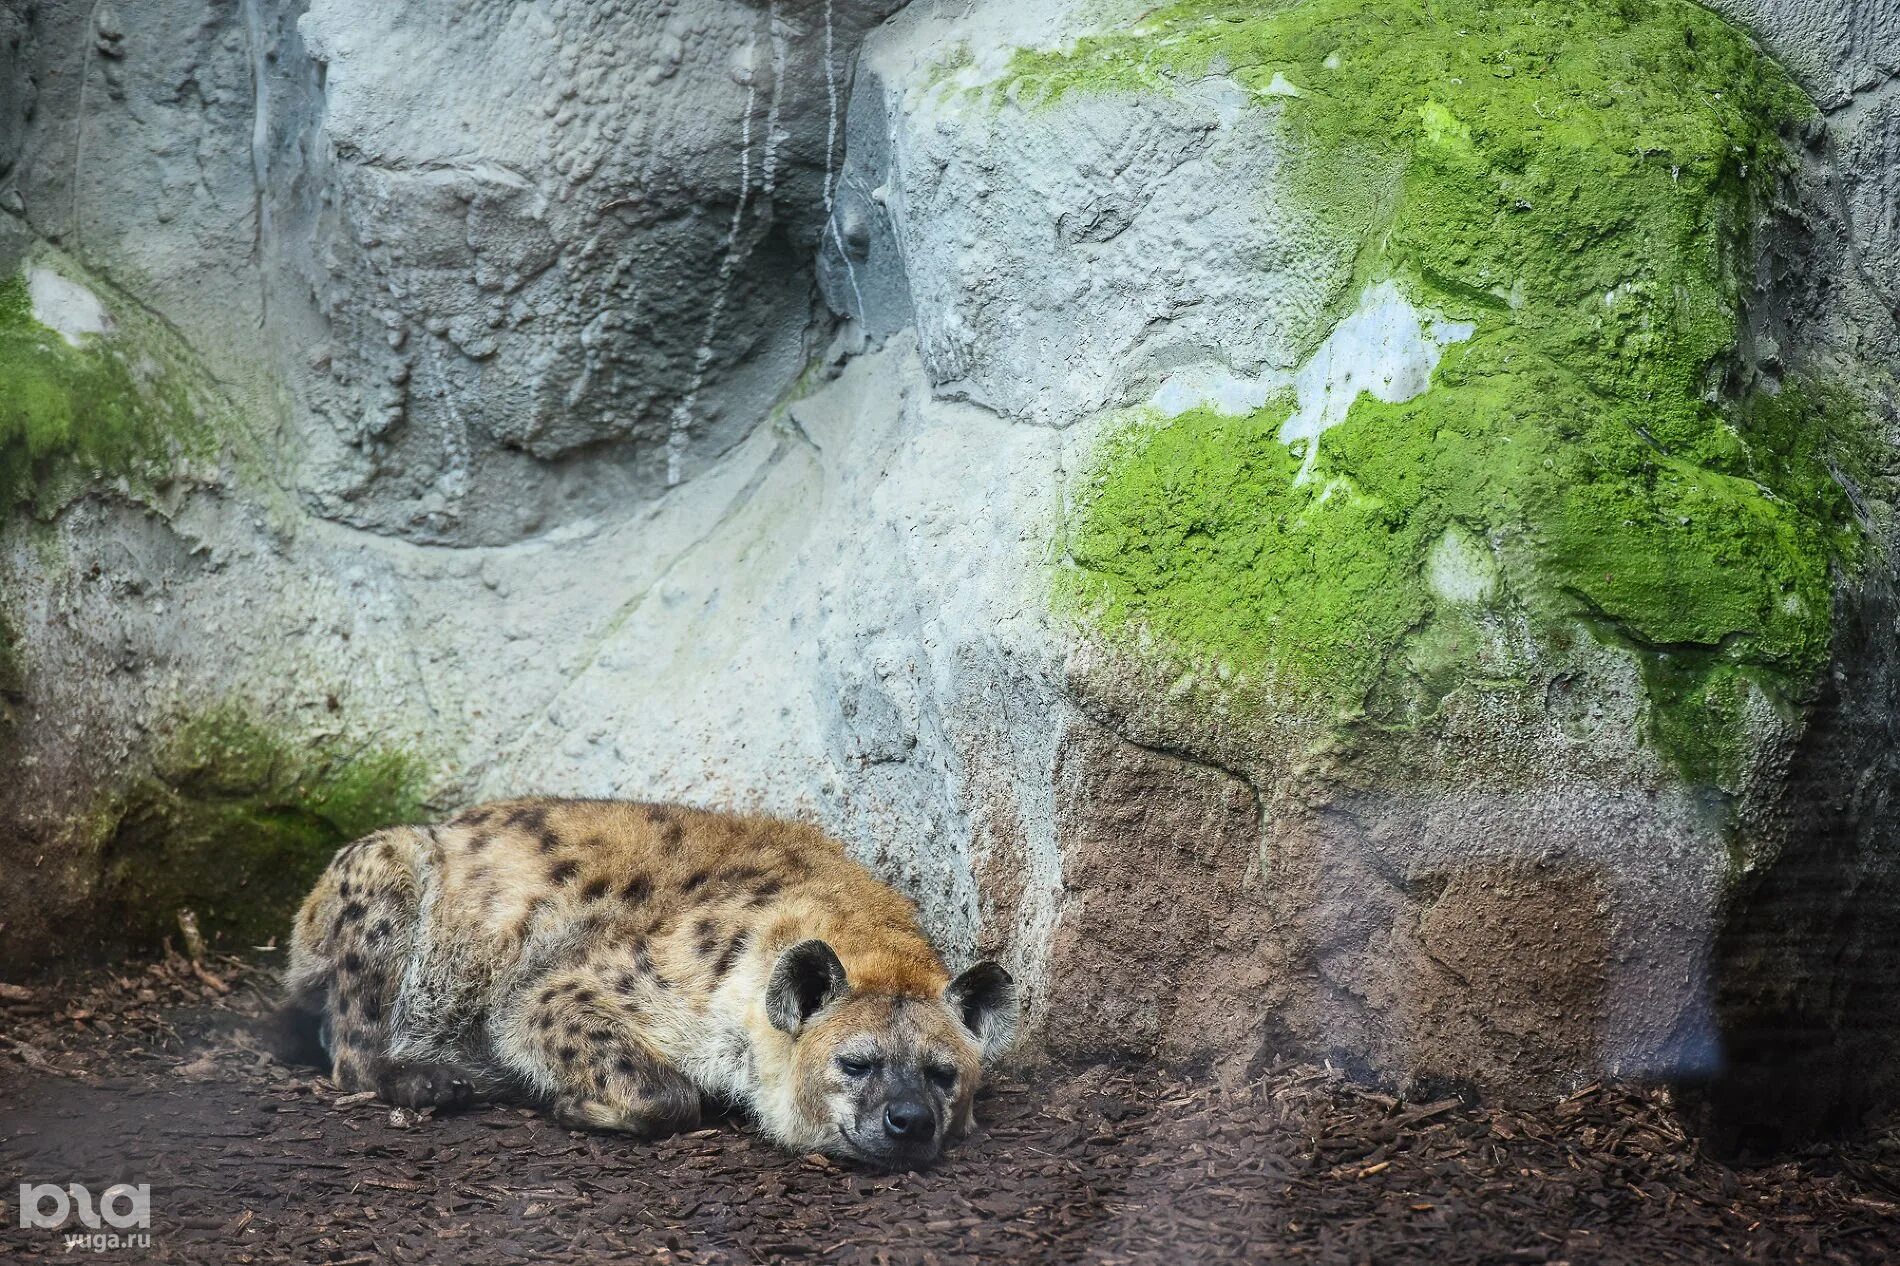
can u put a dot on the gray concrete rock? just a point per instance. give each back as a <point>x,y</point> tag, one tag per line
<point>1060,267</point>
<point>488,267</point>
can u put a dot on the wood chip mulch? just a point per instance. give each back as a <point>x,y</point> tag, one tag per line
<point>149,1074</point>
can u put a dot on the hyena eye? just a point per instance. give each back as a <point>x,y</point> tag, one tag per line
<point>856,1067</point>
<point>944,1079</point>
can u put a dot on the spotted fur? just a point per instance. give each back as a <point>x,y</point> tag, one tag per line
<point>618,961</point>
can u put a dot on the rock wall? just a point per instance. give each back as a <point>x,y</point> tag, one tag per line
<point>897,421</point>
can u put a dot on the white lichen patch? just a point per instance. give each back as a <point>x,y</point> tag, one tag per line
<point>65,306</point>
<point>1386,348</point>
<point>1216,388</point>
<point>1460,569</point>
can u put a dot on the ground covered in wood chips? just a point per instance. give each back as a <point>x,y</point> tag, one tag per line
<point>149,1074</point>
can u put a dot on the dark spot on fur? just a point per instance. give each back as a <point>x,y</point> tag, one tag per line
<point>625,982</point>
<point>546,1021</point>
<point>381,931</point>
<point>372,1009</point>
<point>548,995</point>
<point>600,1036</point>
<point>352,962</point>
<point>562,871</point>
<point>345,1004</point>
<point>550,841</point>
<point>584,996</point>
<point>532,818</point>
<point>671,834</point>
<point>638,889</point>
<point>695,881</point>
<point>479,841</point>
<point>740,876</point>
<point>624,1066</point>
<point>343,890</point>
<point>660,812</point>
<point>595,889</point>
<point>765,891</point>
<point>472,817</point>
<point>351,912</point>
<point>707,937</point>
<point>729,954</point>
<point>642,959</point>
<point>566,1054</point>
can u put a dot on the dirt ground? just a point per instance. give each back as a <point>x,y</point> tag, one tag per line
<point>148,1074</point>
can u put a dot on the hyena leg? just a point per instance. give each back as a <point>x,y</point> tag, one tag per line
<point>581,1044</point>
<point>354,941</point>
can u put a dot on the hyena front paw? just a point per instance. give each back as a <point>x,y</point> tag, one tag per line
<point>424,1086</point>
<point>653,1118</point>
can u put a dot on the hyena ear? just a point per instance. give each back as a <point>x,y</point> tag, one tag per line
<point>984,997</point>
<point>806,977</point>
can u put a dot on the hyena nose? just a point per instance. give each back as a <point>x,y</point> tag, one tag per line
<point>907,1119</point>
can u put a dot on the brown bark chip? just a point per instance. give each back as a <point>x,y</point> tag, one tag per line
<point>253,1162</point>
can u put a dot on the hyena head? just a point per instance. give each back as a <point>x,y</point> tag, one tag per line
<point>883,1075</point>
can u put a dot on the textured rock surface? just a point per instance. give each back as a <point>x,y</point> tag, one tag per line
<point>1847,54</point>
<point>486,297</point>
<point>530,461</point>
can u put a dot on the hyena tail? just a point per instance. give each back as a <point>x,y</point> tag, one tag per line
<point>294,1031</point>
<point>349,952</point>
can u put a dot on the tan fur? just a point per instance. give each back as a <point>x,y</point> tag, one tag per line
<point>612,959</point>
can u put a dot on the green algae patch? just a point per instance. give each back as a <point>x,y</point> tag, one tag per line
<point>116,406</point>
<point>1577,181</point>
<point>236,821</point>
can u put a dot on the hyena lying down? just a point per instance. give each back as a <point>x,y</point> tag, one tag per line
<point>617,961</point>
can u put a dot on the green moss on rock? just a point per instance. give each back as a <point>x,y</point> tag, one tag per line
<point>110,407</point>
<point>1578,181</point>
<point>236,821</point>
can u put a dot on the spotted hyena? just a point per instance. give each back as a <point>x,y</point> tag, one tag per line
<point>616,962</point>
